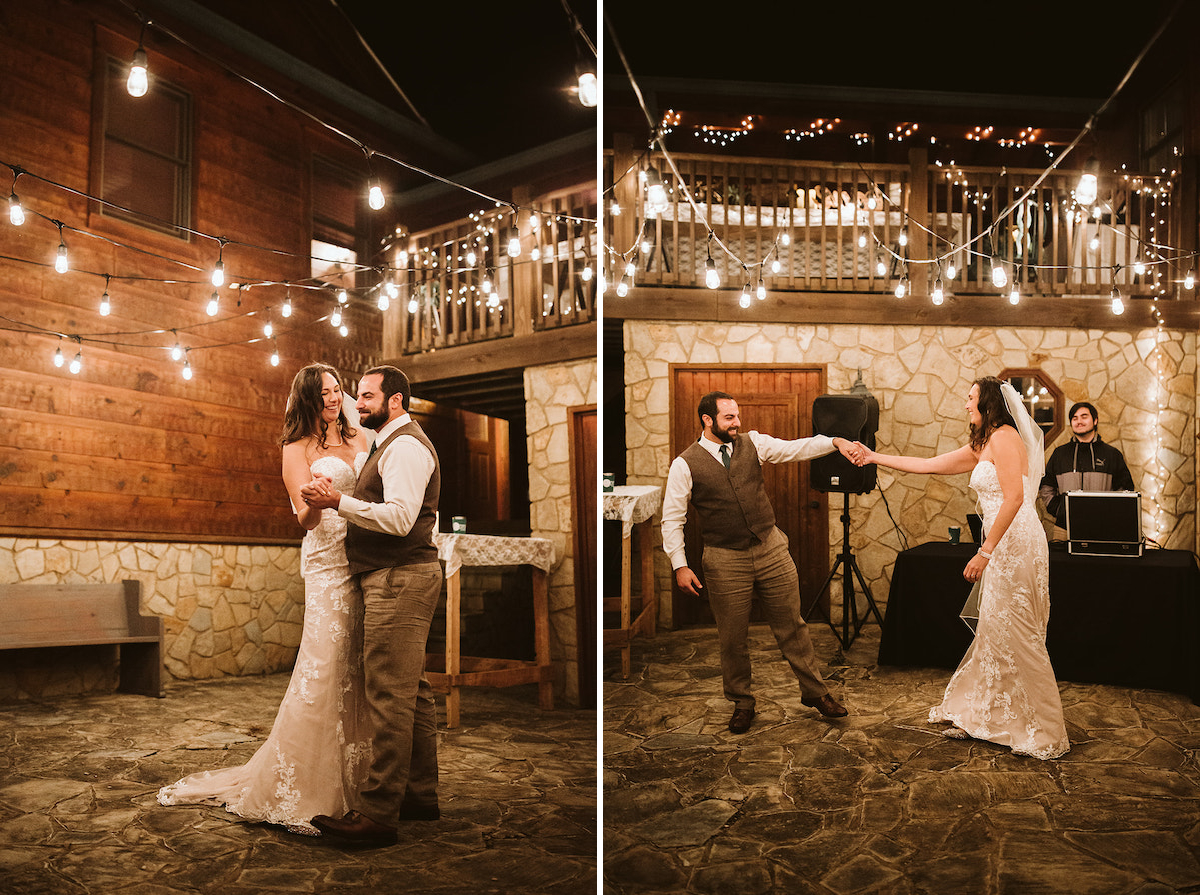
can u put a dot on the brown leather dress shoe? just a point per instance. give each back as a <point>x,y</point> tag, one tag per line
<point>741,720</point>
<point>826,705</point>
<point>355,829</point>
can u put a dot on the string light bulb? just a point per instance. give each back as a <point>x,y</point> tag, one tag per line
<point>214,305</point>
<point>218,273</point>
<point>514,242</point>
<point>61,262</point>
<point>939,293</point>
<point>999,272</point>
<point>375,194</point>
<point>589,90</point>
<point>76,362</point>
<point>177,352</point>
<point>1118,306</point>
<point>744,301</point>
<point>761,291</point>
<point>1189,281</point>
<point>286,310</point>
<point>59,360</point>
<point>16,214</point>
<point>274,354</point>
<point>268,329</point>
<point>105,304</point>
<point>335,319</point>
<point>902,287</point>
<point>384,302</point>
<point>342,296</point>
<point>951,271</point>
<point>138,81</point>
<point>186,372</point>
<point>587,273</point>
<point>412,305</point>
<point>1087,188</point>
<point>1014,297</point>
<point>712,279</point>
<point>656,191</point>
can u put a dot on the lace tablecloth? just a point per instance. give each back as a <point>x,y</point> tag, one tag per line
<point>457,550</point>
<point>632,504</point>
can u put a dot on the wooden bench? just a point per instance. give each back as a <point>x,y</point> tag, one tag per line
<point>41,615</point>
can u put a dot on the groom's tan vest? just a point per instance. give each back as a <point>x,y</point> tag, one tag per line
<point>368,550</point>
<point>731,504</point>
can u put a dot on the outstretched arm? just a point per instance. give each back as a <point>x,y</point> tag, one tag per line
<point>951,463</point>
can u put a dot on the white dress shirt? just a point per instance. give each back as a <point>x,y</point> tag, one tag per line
<point>405,467</point>
<point>679,480</point>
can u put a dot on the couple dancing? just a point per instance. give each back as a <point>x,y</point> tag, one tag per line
<point>354,746</point>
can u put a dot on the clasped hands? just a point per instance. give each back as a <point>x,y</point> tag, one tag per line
<point>320,493</point>
<point>854,451</point>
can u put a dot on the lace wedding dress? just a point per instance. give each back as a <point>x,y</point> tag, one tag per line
<point>1004,691</point>
<point>318,752</point>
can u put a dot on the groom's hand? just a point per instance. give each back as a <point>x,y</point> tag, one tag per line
<point>320,493</point>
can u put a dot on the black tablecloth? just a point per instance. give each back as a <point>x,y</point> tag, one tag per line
<point>1130,621</point>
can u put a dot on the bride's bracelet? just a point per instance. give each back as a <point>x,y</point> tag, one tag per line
<point>984,553</point>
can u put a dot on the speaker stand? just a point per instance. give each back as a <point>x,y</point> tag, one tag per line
<point>850,571</point>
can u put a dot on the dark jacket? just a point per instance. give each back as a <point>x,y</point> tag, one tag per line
<point>1082,466</point>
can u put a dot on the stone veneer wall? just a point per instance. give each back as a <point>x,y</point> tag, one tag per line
<point>227,609</point>
<point>549,391</point>
<point>920,376</point>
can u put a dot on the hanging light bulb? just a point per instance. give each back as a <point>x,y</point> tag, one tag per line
<point>862,240</point>
<point>514,242</point>
<point>274,354</point>
<point>880,266</point>
<point>342,296</point>
<point>745,299</point>
<point>286,310</point>
<point>186,372</point>
<point>76,362</point>
<point>902,287</point>
<point>656,192</point>
<point>471,258</point>
<point>375,194</point>
<point>615,209</point>
<point>384,301</point>
<point>335,319</point>
<point>176,352</point>
<point>761,292</point>
<point>1094,242</point>
<point>776,266</point>
<point>589,91</point>
<point>623,286</point>
<point>1014,297</point>
<point>872,202</point>
<point>951,271</point>
<point>1190,280</point>
<point>712,279</point>
<point>139,78</point>
<point>999,272</point>
<point>343,331</point>
<point>412,305</point>
<point>1139,267</point>
<point>785,238</point>
<point>61,264</point>
<point>1087,188</point>
<point>630,268</point>
<point>646,246</point>
<point>16,214</point>
<point>1118,306</point>
<point>268,329</point>
<point>214,305</point>
<point>59,360</point>
<point>218,273</point>
<point>105,304</point>
<point>903,240</point>
<point>587,273</point>
<point>939,293</point>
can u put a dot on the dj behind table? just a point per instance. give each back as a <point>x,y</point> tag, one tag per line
<point>1127,620</point>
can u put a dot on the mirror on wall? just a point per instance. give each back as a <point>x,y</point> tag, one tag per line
<point>1043,399</point>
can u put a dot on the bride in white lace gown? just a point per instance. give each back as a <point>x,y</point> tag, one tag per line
<point>318,752</point>
<point>1004,690</point>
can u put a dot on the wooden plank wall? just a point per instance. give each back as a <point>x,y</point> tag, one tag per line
<point>127,448</point>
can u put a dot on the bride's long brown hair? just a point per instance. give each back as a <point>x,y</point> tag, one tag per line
<point>303,415</point>
<point>993,413</point>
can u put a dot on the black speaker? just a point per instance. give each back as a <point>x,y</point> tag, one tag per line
<point>853,417</point>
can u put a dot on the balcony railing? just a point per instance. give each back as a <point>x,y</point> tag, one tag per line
<point>458,284</point>
<point>832,227</point>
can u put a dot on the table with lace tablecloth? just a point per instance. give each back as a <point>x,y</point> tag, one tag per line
<point>450,672</point>
<point>634,506</point>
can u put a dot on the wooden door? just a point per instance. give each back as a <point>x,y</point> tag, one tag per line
<point>584,485</point>
<point>776,400</point>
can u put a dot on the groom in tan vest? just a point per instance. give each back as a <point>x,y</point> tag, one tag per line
<point>745,554</point>
<point>389,545</point>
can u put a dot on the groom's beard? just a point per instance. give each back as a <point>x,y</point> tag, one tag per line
<point>375,420</point>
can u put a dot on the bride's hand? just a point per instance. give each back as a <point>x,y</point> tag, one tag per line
<point>865,454</point>
<point>974,570</point>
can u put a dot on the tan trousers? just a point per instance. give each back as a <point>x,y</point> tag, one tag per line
<point>734,578</point>
<point>398,606</point>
